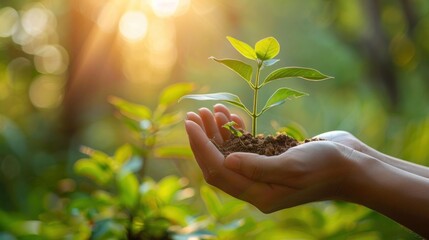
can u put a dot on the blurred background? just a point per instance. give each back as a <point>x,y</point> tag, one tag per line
<point>61,60</point>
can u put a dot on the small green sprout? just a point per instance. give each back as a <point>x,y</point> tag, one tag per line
<point>231,127</point>
<point>263,54</point>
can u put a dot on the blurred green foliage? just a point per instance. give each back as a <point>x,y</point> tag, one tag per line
<point>60,62</point>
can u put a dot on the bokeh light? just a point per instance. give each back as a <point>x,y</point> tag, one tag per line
<point>168,8</point>
<point>35,21</point>
<point>46,92</point>
<point>161,45</point>
<point>51,59</point>
<point>9,20</point>
<point>133,26</point>
<point>165,8</point>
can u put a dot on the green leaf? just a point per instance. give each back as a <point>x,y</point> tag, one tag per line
<point>98,156</point>
<point>92,170</point>
<point>182,152</point>
<point>167,188</point>
<point>101,158</point>
<point>244,70</point>
<point>294,130</point>
<point>222,96</point>
<point>128,186</point>
<point>169,119</point>
<point>232,207</point>
<point>267,48</point>
<point>123,154</point>
<point>132,124</point>
<point>176,214</point>
<point>296,72</point>
<point>211,200</point>
<point>280,96</point>
<point>172,93</point>
<point>230,126</point>
<point>131,110</point>
<point>243,48</point>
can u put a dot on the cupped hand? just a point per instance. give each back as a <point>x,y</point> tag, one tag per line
<point>309,172</point>
<point>344,138</point>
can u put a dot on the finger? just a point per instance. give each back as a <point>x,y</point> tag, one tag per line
<point>204,152</point>
<point>256,167</point>
<point>195,118</point>
<point>237,119</point>
<point>211,160</point>
<point>221,120</point>
<point>328,135</point>
<point>222,109</point>
<point>231,117</point>
<point>210,125</point>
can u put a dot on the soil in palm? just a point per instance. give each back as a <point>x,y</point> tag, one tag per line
<point>263,145</point>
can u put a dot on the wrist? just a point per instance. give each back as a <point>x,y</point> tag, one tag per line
<point>360,177</point>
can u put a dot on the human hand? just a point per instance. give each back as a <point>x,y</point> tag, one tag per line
<point>344,138</point>
<point>342,167</point>
<point>309,172</point>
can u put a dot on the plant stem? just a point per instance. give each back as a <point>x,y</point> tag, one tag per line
<point>255,100</point>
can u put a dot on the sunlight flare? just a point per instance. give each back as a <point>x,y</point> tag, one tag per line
<point>133,26</point>
<point>165,8</point>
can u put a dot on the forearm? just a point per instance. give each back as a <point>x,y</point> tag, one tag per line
<point>398,194</point>
<point>398,163</point>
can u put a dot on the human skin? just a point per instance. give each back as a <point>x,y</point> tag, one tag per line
<point>341,168</point>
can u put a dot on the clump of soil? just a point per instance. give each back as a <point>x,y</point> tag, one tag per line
<point>262,145</point>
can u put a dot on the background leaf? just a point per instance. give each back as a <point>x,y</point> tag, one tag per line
<point>128,186</point>
<point>243,48</point>
<point>211,200</point>
<point>123,154</point>
<point>267,48</point>
<point>244,70</point>
<point>296,72</point>
<point>131,110</point>
<point>280,96</point>
<point>177,151</point>
<point>167,188</point>
<point>222,96</point>
<point>294,130</point>
<point>169,119</point>
<point>92,170</point>
<point>172,93</point>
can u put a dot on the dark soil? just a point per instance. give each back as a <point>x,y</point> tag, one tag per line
<point>262,145</point>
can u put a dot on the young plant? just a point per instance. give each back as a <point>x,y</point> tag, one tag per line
<point>263,54</point>
<point>230,126</point>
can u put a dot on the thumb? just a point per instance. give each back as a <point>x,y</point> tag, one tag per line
<point>253,166</point>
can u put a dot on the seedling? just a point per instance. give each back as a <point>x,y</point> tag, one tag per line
<point>263,54</point>
<point>230,126</point>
